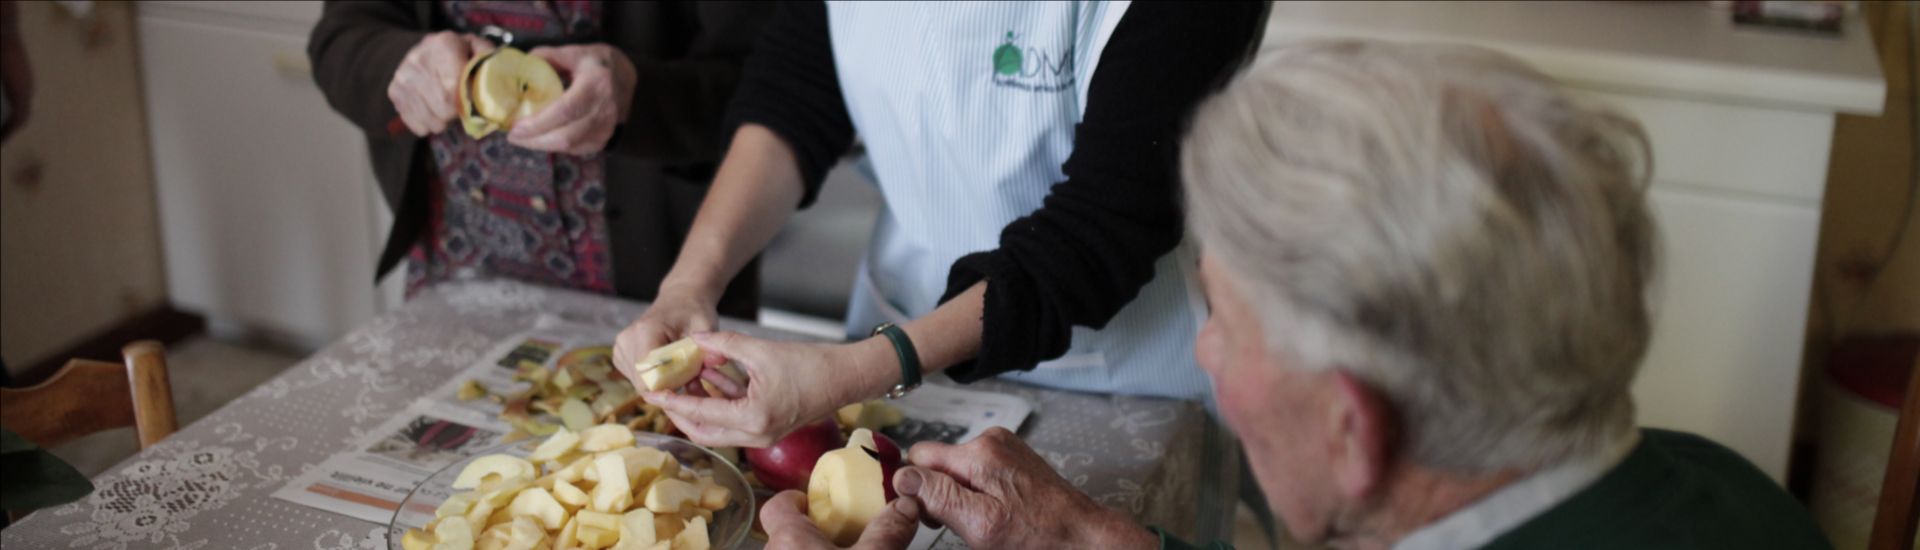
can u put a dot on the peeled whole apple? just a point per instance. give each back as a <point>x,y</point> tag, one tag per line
<point>502,87</point>
<point>788,464</point>
<point>847,490</point>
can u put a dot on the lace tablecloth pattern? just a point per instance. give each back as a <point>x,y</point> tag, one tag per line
<point>208,486</point>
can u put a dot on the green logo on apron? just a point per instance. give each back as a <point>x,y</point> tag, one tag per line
<point>1006,58</point>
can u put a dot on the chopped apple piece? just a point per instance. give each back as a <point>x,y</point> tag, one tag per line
<point>575,469</point>
<point>477,516</point>
<point>595,537</point>
<point>845,491</point>
<point>416,539</point>
<point>569,495</point>
<point>455,505</point>
<point>567,539</point>
<point>670,366</point>
<point>714,497</point>
<point>506,467</point>
<point>538,504</point>
<point>666,526</point>
<point>472,390</point>
<point>644,464</point>
<point>453,533</point>
<point>636,530</point>
<point>694,537</point>
<point>613,494</point>
<point>554,447</point>
<point>670,495</point>
<point>872,415</point>
<point>576,415</point>
<point>605,437</point>
<point>525,534</point>
<point>499,495</point>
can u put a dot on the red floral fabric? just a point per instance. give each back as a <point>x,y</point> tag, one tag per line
<point>502,211</point>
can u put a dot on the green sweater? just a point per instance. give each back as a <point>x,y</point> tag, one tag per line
<point>1675,490</point>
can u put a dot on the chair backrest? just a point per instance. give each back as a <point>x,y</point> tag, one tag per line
<point>87,396</point>
<point>1897,517</point>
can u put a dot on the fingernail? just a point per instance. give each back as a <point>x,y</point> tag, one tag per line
<point>906,482</point>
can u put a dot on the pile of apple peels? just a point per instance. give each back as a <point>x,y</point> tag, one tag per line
<point>579,394</point>
<point>588,490</point>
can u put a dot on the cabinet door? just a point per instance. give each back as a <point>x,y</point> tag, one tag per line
<point>1732,310</point>
<point>265,203</point>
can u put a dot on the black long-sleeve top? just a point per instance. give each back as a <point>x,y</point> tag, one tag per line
<point>1091,246</point>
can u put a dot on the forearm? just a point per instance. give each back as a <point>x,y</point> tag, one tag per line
<point>947,336</point>
<point>757,188</point>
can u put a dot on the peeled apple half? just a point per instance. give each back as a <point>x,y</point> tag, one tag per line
<point>847,489</point>
<point>503,87</point>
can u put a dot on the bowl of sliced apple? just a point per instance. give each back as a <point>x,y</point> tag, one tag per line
<point>602,487</point>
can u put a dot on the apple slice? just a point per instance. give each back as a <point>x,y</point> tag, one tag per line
<point>670,495</point>
<point>504,467</point>
<point>670,366</point>
<point>538,504</point>
<point>455,505</point>
<point>606,437</point>
<point>569,495</point>
<point>554,447</point>
<point>416,539</point>
<point>665,527</point>
<point>694,537</point>
<point>845,490</point>
<point>636,530</point>
<point>576,415</point>
<point>613,494</point>
<point>525,534</point>
<point>453,533</point>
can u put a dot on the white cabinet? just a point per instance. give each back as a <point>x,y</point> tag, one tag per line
<point>1741,123</point>
<point>269,219</point>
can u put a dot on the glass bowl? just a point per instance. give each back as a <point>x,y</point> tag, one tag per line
<point>730,524</point>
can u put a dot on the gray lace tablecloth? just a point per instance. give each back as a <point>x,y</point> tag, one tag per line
<point>208,485</point>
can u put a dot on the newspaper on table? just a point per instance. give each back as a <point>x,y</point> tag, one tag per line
<point>371,478</point>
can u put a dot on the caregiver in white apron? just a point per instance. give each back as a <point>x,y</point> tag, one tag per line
<point>1031,227</point>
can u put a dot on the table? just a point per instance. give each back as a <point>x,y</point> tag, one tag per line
<point>208,485</point>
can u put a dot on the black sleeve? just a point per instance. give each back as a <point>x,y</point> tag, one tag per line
<point>790,86</point>
<point>1091,246</point>
<point>680,102</point>
<point>355,48</point>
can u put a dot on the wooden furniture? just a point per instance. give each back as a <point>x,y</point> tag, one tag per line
<point>89,396</point>
<point>1895,522</point>
<point>1741,124</point>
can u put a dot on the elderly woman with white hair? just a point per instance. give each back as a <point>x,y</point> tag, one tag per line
<point>1428,270</point>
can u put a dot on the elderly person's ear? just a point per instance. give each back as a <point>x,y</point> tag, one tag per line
<point>1364,428</point>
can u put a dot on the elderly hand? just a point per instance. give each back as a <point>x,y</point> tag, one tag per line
<point>995,492</point>
<point>785,518</point>
<point>788,384</point>
<point>673,315</point>
<point>598,96</point>
<point>425,89</point>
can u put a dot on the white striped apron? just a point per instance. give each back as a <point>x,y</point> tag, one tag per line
<point>967,111</point>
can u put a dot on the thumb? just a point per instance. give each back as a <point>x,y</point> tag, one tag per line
<point>733,347</point>
<point>894,528</point>
<point>945,499</point>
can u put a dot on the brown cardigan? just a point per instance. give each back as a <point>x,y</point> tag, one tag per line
<point>687,56</point>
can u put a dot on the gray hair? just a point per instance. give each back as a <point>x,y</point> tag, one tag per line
<point>1446,225</point>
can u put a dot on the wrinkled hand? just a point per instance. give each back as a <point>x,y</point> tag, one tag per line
<point>426,87</point>
<point>785,518</point>
<point>995,492</point>
<point>598,97</point>
<point>673,315</point>
<point>788,384</point>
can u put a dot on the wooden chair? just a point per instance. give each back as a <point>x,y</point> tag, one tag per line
<point>88,396</point>
<point>1898,516</point>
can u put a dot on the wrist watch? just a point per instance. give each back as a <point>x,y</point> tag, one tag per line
<point>909,359</point>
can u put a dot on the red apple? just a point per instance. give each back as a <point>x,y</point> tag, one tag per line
<point>788,464</point>
<point>890,460</point>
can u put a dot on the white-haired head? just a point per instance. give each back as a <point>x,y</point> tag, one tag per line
<point>1446,225</point>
